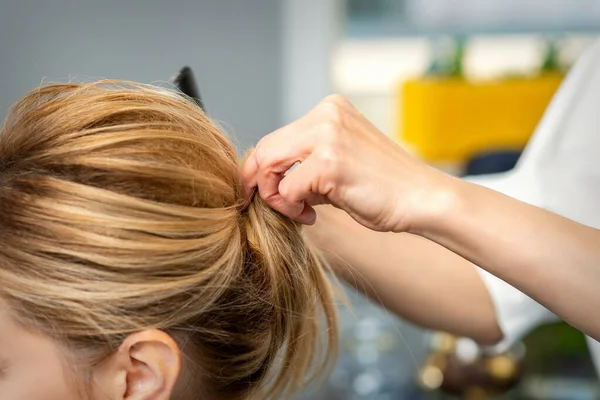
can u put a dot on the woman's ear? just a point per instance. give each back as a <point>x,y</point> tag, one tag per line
<point>145,367</point>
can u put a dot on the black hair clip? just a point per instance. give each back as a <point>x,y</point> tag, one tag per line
<point>186,83</point>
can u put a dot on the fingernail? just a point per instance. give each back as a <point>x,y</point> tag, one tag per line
<point>283,191</point>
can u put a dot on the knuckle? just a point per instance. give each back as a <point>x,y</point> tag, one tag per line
<point>332,111</point>
<point>332,131</point>
<point>263,155</point>
<point>337,99</point>
<point>329,162</point>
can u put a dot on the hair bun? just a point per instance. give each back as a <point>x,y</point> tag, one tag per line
<point>128,201</point>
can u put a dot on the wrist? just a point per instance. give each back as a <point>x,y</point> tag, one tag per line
<point>439,206</point>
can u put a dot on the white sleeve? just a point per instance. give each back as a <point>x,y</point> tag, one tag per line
<point>517,313</point>
<point>559,171</point>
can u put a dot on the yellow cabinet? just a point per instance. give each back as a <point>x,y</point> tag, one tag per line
<point>452,119</point>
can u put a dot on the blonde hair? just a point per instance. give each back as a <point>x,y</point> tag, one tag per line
<point>122,210</point>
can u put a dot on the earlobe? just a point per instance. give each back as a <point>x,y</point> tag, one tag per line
<point>153,367</point>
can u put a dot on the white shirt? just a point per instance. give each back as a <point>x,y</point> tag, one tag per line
<point>559,171</point>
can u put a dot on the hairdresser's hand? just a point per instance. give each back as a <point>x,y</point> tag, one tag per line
<point>347,162</point>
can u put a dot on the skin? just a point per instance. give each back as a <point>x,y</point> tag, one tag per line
<point>446,294</point>
<point>345,161</point>
<point>551,258</point>
<point>33,366</point>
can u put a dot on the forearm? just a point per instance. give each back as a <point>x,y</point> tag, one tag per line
<point>411,276</point>
<point>552,259</point>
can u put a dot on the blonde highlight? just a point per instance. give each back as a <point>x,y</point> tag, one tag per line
<point>123,210</point>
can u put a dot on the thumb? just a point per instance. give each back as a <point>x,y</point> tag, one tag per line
<point>301,184</point>
<point>300,188</point>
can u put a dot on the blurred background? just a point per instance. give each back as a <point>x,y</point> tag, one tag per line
<point>460,83</point>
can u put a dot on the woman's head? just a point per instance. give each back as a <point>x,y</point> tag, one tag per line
<point>127,254</point>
